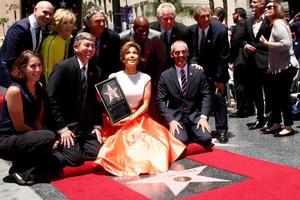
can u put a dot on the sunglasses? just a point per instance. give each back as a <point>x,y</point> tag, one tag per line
<point>269,7</point>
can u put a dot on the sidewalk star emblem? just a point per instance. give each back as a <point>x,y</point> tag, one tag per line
<point>111,93</point>
<point>178,180</point>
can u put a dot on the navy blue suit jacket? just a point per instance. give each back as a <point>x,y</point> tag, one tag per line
<point>109,53</point>
<point>18,38</point>
<point>173,104</point>
<point>237,54</point>
<point>179,32</point>
<point>215,57</point>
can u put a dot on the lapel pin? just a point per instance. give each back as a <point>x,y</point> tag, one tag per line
<point>190,74</point>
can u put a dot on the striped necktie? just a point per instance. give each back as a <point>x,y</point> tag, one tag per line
<point>183,81</point>
<point>83,78</point>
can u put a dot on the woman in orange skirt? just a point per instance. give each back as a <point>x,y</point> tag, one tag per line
<point>138,144</point>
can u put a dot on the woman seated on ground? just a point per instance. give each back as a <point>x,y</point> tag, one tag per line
<point>138,145</point>
<point>55,47</point>
<point>22,139</point>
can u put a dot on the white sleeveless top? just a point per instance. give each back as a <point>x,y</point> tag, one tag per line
<point>133,86</point>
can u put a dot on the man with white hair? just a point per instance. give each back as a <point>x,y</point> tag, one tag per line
<point>171,30</point>
<point>23,35</point>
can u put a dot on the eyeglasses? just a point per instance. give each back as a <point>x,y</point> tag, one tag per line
<point>167,19</point>
<point>183,52</point>
<point>269,7</point>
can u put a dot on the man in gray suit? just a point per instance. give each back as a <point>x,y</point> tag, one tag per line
<point>153,52</point>
<point>183,98</point>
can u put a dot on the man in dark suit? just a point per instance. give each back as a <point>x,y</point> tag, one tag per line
<point>257,62</point>
<point>183,98</point>
<point>107,55</point>
<point>72,105</point>
<point>23,35</point>
<point>171,30</point>
<point>238,59</point>
<point>211,52</point>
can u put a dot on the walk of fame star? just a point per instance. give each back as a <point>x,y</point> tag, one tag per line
<point>63,4</point>
<point>111,93</point>
<point>178,180</point>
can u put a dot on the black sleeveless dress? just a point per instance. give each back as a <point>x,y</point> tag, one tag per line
<point>31,109</point>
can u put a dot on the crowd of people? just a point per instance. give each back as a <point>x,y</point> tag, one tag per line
<point>174,79</point>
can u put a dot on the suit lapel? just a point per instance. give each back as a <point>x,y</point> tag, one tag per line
<point>175,80</point>
<point>250,27</point>
<point>173,35</point>
<point>263,26</point>
<point>209,37</point>
<point>190,77</point>
<point>195,36</point>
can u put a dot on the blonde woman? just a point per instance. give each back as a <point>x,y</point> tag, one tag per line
<point>55,47</point>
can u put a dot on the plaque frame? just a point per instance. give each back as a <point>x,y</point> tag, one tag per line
<point>113,99</point>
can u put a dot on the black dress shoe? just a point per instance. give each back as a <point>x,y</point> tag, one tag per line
<point>251,124</point>
<point>292,132</point>
<point>223,137</point>
<point>215,134</point>
<point>257,125</point>
<point>18,177</point>
<point>208,146</point>
<point>22,176</point>
<point>266,130</point>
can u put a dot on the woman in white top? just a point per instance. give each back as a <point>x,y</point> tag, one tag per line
<point>139,145</point>
<point>282,67</point>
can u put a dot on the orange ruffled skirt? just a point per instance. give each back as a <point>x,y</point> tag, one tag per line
<point>141,146</point>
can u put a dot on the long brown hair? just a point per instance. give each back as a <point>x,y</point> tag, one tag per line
<point>18,71</point>
<point>278,12</point>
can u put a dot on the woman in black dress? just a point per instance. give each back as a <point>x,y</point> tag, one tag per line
<point>22,139</point>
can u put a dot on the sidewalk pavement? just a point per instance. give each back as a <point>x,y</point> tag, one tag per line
<point>9,191</point>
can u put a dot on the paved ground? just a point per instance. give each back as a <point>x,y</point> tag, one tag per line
<point>285,150</point>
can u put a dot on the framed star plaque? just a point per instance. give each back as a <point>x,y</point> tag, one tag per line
<point>113,100</point>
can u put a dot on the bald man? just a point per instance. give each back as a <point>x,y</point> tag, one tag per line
<point>23,35</point>
<point>154,53</point>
